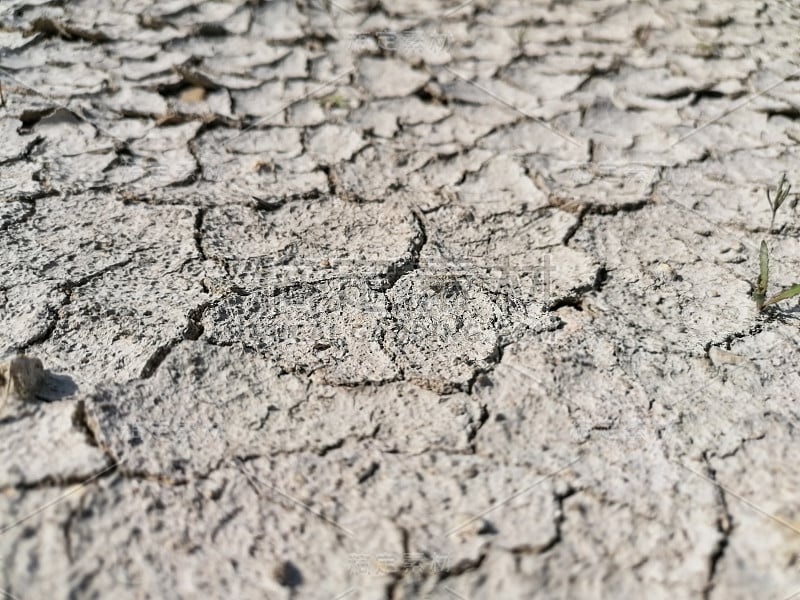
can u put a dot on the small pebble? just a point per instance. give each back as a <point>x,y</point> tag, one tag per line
<point>20,378</point>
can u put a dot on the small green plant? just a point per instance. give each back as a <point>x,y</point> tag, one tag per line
<point>760,292</point>
<point>334,101</point>
<point>707,50</point>
<point>781,193</point>
<point>762,283</point>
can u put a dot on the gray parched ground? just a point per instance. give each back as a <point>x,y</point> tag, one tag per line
<point>399,299</point>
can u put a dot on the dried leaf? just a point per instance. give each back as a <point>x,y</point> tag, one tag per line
<point>782,192</point>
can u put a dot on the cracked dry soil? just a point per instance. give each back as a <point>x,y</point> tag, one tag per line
<point>403,299</point>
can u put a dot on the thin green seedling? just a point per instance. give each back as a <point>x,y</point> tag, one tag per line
<point>334,101</point>
<point>781,193</point>
<point>760,291</point>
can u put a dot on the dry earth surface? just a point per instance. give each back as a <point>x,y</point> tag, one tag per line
<point>397,299</point>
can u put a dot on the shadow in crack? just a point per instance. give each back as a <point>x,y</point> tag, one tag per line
<point>288,575</point>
